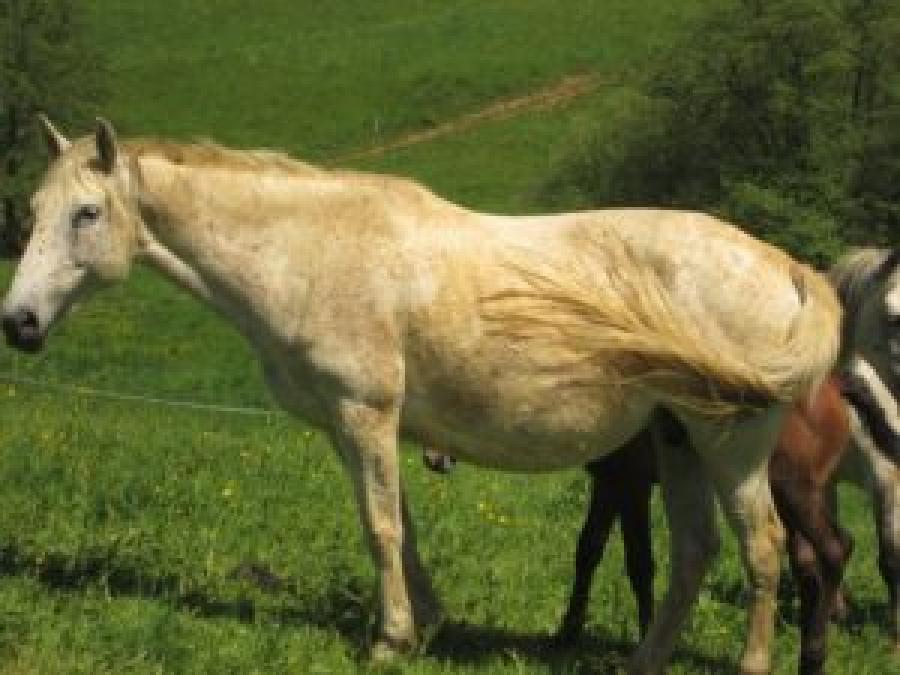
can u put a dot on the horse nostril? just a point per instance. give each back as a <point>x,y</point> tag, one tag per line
<point>27,319</point>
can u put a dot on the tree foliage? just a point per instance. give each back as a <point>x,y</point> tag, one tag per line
<point>779,114</point>
<point>46,64</point>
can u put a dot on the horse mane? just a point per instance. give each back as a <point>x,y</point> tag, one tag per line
<point>208,154</point>
<point>855,277</point>
<point>205,153</point>
<point>855,273</point>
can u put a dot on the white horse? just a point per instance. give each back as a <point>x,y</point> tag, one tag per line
<point>525,343</point>
<point>868,283</point>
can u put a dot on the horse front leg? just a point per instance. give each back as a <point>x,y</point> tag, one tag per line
<point>694,541</point>
<point>366,437</point>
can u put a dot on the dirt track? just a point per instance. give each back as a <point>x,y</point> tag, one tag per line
<point>563,91</point>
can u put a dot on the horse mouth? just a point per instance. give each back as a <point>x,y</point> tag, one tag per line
<point>23,331</point>
<point>28,343</point>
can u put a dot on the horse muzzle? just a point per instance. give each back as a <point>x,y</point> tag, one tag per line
<point>23,330</point>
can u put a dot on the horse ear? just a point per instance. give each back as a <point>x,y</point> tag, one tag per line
<point>886,268</point>
<point>56,142</point>
<point>107,149</point>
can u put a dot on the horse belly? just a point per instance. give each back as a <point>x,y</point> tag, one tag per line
<point>534,433</point>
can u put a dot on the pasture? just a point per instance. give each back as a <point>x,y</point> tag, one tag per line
<point>141,537</point>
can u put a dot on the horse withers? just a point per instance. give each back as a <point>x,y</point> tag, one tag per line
<point>379,310</point>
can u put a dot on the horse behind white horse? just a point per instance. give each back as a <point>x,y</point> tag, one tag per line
<point>868,283</point>
<point>530,343</point>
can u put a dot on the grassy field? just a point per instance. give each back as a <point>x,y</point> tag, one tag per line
<point>139,537</point>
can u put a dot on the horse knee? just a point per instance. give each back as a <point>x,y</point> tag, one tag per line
<point>836,554</point>
<point>696,551</point>
<point>385,542</point>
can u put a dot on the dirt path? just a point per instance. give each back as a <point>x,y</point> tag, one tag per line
<point>563,91</point>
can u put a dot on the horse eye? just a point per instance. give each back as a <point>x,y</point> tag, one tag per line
<point>85,214</point>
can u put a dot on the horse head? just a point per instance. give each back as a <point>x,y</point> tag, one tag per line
<point>84,232</point>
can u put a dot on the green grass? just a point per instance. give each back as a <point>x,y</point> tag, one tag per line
<point>323,78</point>
<point>124,524</point>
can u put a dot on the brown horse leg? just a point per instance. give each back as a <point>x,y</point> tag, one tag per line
<point>635,520</point>
<point>819,551</point>
<point>604,508</point>
<point>805,568</point>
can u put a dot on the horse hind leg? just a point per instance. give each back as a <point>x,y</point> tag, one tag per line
<point>735,454</point>
<point>690,510</point>
<point>819,551</point>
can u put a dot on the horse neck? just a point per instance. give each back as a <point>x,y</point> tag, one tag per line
<point>213,233</point>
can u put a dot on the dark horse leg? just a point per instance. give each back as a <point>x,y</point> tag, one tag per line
<point>635,522</point>
<point>620,487</point>
<point>603,510</point>
<point>818,550</point>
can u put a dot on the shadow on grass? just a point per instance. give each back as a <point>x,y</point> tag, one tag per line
<point>857,617</point>
<point>344,607</point>
<point>595,652</point>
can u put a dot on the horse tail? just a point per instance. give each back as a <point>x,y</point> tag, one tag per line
<point>631,327</point>
<point>736,376</point>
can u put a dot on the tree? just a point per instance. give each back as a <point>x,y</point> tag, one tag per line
<point>780,114</point>
<point>46,64</point>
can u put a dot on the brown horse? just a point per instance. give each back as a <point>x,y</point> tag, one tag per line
<point>810,449</point>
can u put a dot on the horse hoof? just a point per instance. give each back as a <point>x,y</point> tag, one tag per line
<point>565,638</point>
<point>812,665</point>
<point>386,650</point>
<point>382,652</point>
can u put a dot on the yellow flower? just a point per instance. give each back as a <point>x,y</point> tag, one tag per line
<point>227,491</point>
